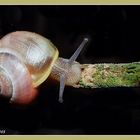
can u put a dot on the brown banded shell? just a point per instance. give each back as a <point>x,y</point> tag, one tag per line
<point>35,51</point>
<point>15,80</point>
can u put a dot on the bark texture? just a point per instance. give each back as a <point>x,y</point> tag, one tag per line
<point>109,75</point>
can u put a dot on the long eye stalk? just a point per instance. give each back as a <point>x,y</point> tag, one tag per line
<point>77,52</point>
<point>70,62</point>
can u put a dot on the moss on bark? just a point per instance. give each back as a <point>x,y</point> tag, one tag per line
<point>109,75</point>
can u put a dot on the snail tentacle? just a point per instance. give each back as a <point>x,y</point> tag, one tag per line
<point>64,76</point>
<point>77,52</point>
<point>62,86</point>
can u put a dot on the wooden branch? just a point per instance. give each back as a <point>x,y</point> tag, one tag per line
<point>109,75</point>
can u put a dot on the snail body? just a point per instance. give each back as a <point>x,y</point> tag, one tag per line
<point>40,59</point>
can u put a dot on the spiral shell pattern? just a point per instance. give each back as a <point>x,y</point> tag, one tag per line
<point>15,80</point>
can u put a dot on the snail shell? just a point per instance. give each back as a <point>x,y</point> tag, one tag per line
<point>15,80</point>
<point>34,50</point>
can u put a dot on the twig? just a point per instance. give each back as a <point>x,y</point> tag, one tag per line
<point>109,75</point>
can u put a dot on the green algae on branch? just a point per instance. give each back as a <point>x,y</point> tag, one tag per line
<point>109,75</point>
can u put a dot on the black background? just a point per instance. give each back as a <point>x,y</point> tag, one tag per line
<point>114,33</point>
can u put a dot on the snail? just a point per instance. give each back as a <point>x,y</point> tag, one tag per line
<point>40,57</point>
